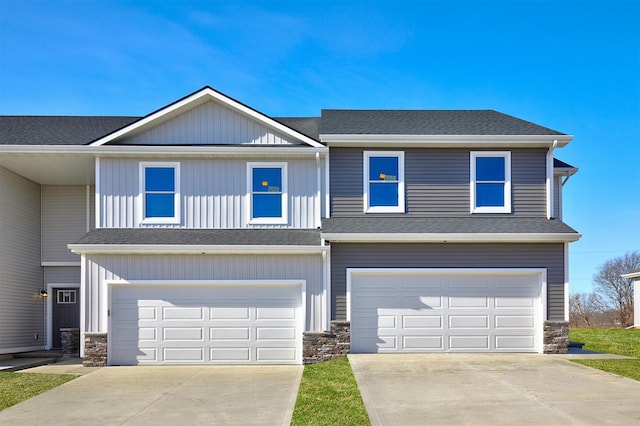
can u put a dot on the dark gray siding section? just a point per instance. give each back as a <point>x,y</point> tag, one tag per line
<point>437,182</point>
<point>549,256</point>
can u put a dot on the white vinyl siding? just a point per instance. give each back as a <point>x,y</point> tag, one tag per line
<point>21,307</point>
<point>64,221</point>
<point>210,124</point>
<point>213,194</point>
<point>102,268</point>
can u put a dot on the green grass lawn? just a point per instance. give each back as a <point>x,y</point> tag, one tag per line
<point>329,395</point>
<point>613,341</point>
<point>17,387</point>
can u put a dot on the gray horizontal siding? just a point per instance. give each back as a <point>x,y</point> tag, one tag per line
<point>213,193</point>
<point>437,182</point>
<point>206,267</point>
<point>64,220</point>
<point>21,307</point>
<point>557,197</point>
<point>62,275</point>
<point>210,124</point>
<point>549,256</point>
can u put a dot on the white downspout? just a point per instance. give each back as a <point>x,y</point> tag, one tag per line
<point>550,179</point>
<point>318,206</point>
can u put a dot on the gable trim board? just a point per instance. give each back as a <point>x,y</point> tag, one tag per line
<point>205,93</point>
<point>446,309</point>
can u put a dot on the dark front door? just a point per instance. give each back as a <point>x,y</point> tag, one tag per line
<point>66,311</point>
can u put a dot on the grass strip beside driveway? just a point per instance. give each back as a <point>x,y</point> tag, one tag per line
<point>17,387</point>
<point>612,341</point>
<point>329,395</point>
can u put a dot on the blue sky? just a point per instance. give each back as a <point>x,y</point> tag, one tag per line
<point>573,66</point>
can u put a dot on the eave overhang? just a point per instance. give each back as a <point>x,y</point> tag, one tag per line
<point>193,249</point>
<point>451,237</point>
<point>445,141</point>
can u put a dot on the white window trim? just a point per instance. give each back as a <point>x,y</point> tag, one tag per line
<point>400,208</point>
<point>282,220</point>
<point>141,198</point>
<point>507,181</point>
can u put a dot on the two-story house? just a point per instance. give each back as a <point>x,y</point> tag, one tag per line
<point>208,232</point>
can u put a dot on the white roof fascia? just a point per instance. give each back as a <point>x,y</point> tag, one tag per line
<point>452,238</point>
<point>631,275</point>
<point>154,150</point>
<point>207,91</point>
<point>439,141</point>
<point>192,249</point>
<point>565,171</point>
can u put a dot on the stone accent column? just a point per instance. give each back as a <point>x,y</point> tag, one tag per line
<point>327,345</point>
<point>95,350</point>
<point>556,337</point>
<point>70,338</point>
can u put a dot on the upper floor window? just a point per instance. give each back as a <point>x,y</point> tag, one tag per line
<point>490,182</point>
<point>383,182</point>
<point>268,192</point>
<point>160,190</point>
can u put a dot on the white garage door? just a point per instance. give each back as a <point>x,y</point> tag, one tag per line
<point>452,311</point>
<point>207,324</point>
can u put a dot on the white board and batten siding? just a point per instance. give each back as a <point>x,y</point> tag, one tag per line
<point>210,123</point>
<point>454,310</point>
<point>101,269</point>
<point>213,193</point>
<point>20,271</point>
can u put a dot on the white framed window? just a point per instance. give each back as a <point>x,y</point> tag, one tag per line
<point>159,193</point>
<point>267,189</point>
<point>490,181</point>
<point>383,180</point>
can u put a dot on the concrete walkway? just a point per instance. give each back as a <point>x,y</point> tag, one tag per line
<point>182,395</point>
<point>492,389</point>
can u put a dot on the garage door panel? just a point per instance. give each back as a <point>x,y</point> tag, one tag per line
<point>230,355</point>
<point>467,311</point>
<point>421,343</point>
<point>241,313</point>
<point>422,321</point>
<point>182,313</point>
<point>515,342</point>
<point>468,321</point>
<point>276,354</point>
<point>270,333</point>
<point>514,321</point>
<point>215,330</point>
<point>469,342</point>
<point>179,354</point>
<point>183,333</point>
<point>468,302</point>
<point>229,333</point>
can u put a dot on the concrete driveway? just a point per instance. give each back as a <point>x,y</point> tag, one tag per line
<point>212,395</point>
<point>492,389</point>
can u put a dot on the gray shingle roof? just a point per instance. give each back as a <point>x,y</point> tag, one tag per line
<point>427,122</point>
<point>57,130</point>
<point>302,237</point>
<point>308,126</point>
<point>445,225</point>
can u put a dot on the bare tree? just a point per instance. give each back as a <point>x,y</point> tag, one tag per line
<point>617,292</point>
<point>585,310</point>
